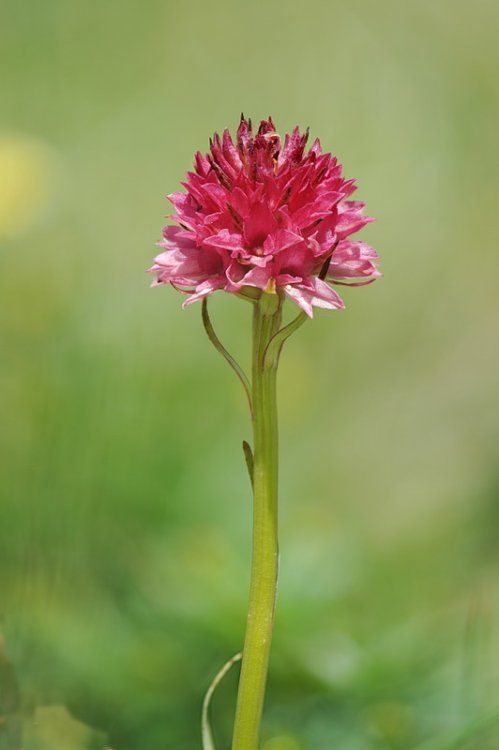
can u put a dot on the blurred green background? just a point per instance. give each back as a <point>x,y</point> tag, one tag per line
<point>125,509</point>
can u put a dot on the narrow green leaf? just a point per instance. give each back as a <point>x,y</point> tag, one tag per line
<point>208,743</point>
<point>210,331</point>
<point>274,347</point>
<point>248,455</point>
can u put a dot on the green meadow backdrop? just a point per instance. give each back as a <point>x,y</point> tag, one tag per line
<point>125,505</point>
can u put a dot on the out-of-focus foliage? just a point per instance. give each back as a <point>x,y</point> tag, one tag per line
<point>125,508</point>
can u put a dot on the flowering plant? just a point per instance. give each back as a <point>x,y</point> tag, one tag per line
<point>264,220</point>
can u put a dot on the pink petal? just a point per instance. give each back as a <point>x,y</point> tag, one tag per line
<point>318,208</point>
<point>281,240</point>
<point>314,293</point>
<point>258,277</point>
<point>347,249</point>
<point>177,237</point>
<point>204,289</point>
<point>179,262</point>
<point>350,218</point>
<point>259,223</point>
<point>239,201</point>
<point>352,260</point>
<point>239,276</point>
<point>202,164</point>
<point>224,240</point>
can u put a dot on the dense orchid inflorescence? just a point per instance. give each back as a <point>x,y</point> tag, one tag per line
<point>259,214</point>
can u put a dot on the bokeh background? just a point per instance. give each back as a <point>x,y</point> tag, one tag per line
<point>125,509</point>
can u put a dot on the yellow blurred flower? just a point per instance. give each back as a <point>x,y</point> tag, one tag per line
<point>27,168</point>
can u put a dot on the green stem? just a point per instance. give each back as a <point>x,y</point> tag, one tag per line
<point>264,565</point>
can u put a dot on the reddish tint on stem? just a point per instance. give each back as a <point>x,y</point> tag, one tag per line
<point>260,213</point>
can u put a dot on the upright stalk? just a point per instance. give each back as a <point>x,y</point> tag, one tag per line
<point>264,564</point>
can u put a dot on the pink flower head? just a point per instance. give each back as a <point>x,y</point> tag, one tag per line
<point>269,215</point>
